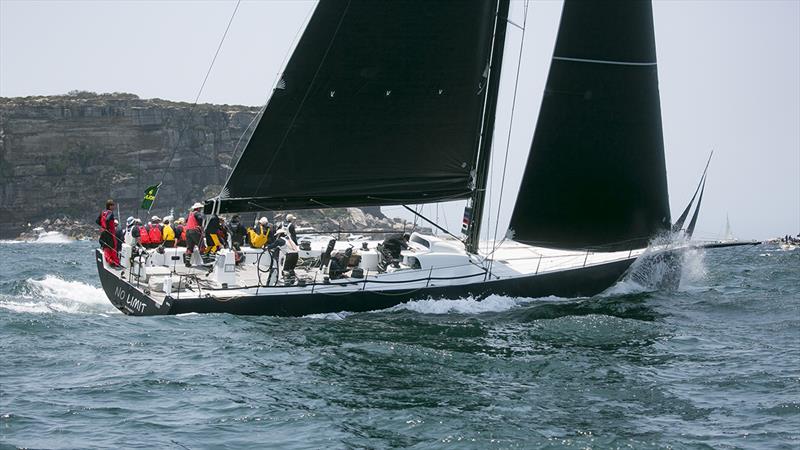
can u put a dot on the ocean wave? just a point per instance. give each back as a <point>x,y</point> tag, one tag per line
<point>694,271</point>
<point>54,294</point>
<point>45,237</point>
<point>329,316</point>
<point>626,286</point>
<point>53,237</point>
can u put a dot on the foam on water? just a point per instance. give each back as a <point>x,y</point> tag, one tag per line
<point>53,237</point>
<point>624,287</point>
<point>54,294</point>
<point>693,268</point>
<point>647,272</point>
<point>44,237</point>
<point>329,316</point>
<point>490,304</point>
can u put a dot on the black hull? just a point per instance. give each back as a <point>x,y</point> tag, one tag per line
<point>126,297</point>
<point>728,244</point>
<point>580,282</point>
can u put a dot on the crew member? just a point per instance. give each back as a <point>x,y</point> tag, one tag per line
<point>168,233</point>
<point>289,225</point>
<point>395,243</point>
<point>212,237</point>
<point>120,234</point>
<point>194,231</point>
<point>222,232</point>
<point>288,250</point>
<point>129,230</point>
<point>154,230</point>
<point>136,233</point>
<point>180,232</point>
<point>144,235</point>
<point>260,235</point>
<point>108,238</point>
<point>237,232</point>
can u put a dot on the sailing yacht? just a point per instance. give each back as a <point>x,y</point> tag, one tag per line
<point>394,103</point>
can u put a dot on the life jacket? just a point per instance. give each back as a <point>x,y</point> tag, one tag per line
<point>191,222</point>
<point>258,238</point>
<point>107,235</point>
<point>103,219</point>
<point>182,232</point>
<point>155,234</point>
<point>289,246</point>
<point>144,236</point>
<point>168,234</point>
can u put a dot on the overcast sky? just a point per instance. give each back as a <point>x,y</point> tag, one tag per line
<point>729,75</point>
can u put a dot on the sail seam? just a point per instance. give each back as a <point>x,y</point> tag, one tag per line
<point>604,61</point>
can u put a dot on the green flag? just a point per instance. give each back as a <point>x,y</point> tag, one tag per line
<point>150,196</point>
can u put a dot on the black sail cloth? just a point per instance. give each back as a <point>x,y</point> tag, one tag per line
<point>596,176</point>
<point>380,103</point>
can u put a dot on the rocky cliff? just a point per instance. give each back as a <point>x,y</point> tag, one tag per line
<point>63,156</point>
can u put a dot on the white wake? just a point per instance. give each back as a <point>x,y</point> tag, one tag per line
<point>44,237</point>
<point>54,294</point>
<point>490,304</point>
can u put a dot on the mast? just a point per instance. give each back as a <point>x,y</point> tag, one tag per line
<point>487,130</point>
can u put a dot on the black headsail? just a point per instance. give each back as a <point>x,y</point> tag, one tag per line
<point>380,103</point>
<point>596,176</point>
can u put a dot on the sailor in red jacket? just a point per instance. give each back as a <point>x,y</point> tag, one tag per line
<point>144,236</point>
<point>154,231</point>
<point>108,235</point>
<point>194,232</point>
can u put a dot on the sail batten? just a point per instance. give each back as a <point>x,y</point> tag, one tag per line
<point>596,175</point>
<point>380,103</point>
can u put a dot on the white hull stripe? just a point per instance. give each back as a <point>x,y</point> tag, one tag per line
<point>601,61</point>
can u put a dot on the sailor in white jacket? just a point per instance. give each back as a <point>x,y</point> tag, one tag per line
<point>288,252</point>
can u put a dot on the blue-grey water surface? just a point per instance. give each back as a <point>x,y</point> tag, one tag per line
<point>714,365</point>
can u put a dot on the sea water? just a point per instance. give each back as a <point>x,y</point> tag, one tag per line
<point>715,364</point>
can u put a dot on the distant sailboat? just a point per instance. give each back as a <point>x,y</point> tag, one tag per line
<point>728,236</point>
<point>728,240</point>
<point>394,102</point>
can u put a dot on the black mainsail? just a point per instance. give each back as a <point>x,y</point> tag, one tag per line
<point>595,176</point>
<point>381,103</point>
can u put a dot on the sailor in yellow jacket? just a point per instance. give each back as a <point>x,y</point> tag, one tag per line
<point>167,233</point>
<point>260,235</point>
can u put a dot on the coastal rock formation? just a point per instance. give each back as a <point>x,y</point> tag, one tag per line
<point>62,156</point>
<point>65,155</point>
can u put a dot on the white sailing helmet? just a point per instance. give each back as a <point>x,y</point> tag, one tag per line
<point>290,217</point>
<point>167,218</point>
<point>263,221</point>
<point>155,219</point>
<point>196,206</point>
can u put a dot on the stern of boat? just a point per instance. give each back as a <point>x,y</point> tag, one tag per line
<point>126,297</point>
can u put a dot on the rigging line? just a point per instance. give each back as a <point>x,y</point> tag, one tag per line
<point>200,92</point>
<point>432,223</point>
<point>305,97</point>
<point>510,127</point>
